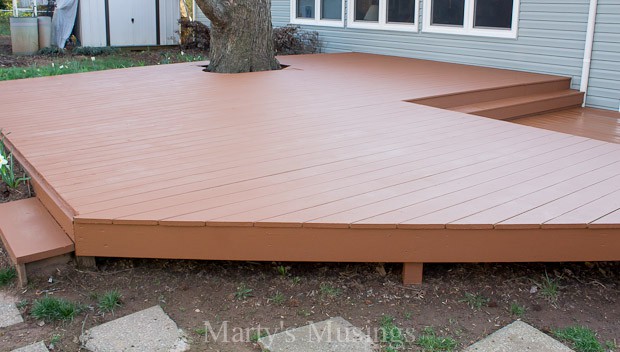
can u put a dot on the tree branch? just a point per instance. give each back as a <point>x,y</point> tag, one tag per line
<point>215,10</point>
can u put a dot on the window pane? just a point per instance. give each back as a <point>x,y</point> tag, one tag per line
<point>331,9</point>
<point>448,12</point>
<point>401,11</point>
<point>367,10</point>
<point>493,13</point>
<point>305,8</point>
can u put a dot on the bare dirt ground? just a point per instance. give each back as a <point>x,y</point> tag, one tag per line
<point>285,295</point>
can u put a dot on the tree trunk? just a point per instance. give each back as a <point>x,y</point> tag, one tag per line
<point>241,35</point>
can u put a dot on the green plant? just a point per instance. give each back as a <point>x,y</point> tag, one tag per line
<point>52,309</point>
<point>7,167</point>
<point>430,342</point>
<point>516,309</point>
<point>391,336</point>
<point>611,345</point>
<point>200,331</point>
<point>95,51</point>
<point>7,275</point>
<point>296,280</point>
<point>243,292</point>
<point>328,290</point>
<point>109,301</point>
<point>549,288</point>
<point>278,298</point>
<point>475,301</point>
<point>257,335</point>
<point>282,270</point>
<point>581,338</point>
<point>22,304</point>
<point>54,340</point>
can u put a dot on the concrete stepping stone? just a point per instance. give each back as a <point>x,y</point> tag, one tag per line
<point>35,347</point>
<point>9,314</point>
<point>518,337</point>
<point>147,330</point>
<point>332,335</point>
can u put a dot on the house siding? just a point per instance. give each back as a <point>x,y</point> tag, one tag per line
<point>551,39</point>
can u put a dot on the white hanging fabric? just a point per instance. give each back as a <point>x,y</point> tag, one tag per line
<point>63,21</point>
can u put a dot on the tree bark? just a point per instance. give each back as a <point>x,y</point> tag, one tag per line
<point>241,35</point>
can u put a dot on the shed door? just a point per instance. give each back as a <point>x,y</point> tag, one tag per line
<point>132,22</point>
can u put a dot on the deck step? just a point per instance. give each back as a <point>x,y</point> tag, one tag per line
<point>525,105</point>
<point>30,233</point>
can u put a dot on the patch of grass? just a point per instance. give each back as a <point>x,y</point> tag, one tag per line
<point>54,340</point>
<point>200,331</point>
<point>611,346</point>
<point>328,290</point>
<point>278,298</point>
<point>282,270</point>
<point>109,301</point>
<point>430,342</point>
<point>53,309</point>
<point>22,304</point>
<point>475,301</point>
<point>258,335</point>
<point>243,292</point>
<point>581,338</point>
<point>296,280</point>
<point>7,275</point>
<point>516,309</point>
<point>392,338</point>
<point>549,288</point>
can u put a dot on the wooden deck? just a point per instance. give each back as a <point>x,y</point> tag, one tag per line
<point>327,160</point>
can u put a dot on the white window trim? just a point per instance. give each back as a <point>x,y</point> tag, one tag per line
<point>382,23</point>
<point>317,20</point>
<point>468,23</point>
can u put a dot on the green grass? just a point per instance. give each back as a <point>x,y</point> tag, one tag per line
<point>516,309</point>
<point>581,338</point>
<point>430,342</point>
<point>243,292</point>
<point>549,288</point>
<point>328,290</point>
<point>278,298</point>
<point>7,275</point>
<point>475,301</point>
<point>109,301</point>
<point>257,335</point>
<point>392,338</point>
<point>200,331</point>
<point>54,309</point>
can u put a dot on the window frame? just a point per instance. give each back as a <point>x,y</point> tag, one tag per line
<point>468,22</point>
<point>382,23</point>
<point>317,20</point>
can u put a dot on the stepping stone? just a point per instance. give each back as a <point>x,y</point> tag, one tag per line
<point>518,337</point>
<point>35,347</point>
<point>147,330</point>
<point>332,335</point>
<point>9,314</point>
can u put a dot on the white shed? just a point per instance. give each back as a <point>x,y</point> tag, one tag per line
<point>128,22</point>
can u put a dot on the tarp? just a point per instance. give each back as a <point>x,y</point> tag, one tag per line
<point>63,21</point>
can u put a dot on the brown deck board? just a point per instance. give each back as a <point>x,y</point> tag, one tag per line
<point>331,143</point>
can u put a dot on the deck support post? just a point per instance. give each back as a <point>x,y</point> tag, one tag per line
<point>86,262</point>
<point>22,278</point>
<point>412,273</point>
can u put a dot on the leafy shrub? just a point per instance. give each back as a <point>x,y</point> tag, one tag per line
<point>291,40</point>
<point>194,35</point>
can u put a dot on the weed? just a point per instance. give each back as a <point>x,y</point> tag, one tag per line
<point>7,167</point>
<point>243,292</point>
<point>611,346</point>
<point>408,315</point>
<point>475,301</point>
<point>516,309</point>
<point>53,309</point>
<point>200,331</point>
<point>304,313</point>
<point>391,335</point>
<point>430,342</point>
<point>328,290</point>
<point>54,340</point>
<point>282,270</point>
<point>581,338</point>
<point>258,335</point>
<point>7,275</point>
<point>296,280</point>
<point>22,304</point>
<point>109,301</point>
<point>278,298</point>
<point>549,288</point>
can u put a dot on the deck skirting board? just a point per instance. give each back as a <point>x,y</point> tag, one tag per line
<point>347,245</point>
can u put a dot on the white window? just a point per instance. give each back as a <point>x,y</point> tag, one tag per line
<point>318,12</point>
<point>492,18</point>
<point>383,14</point>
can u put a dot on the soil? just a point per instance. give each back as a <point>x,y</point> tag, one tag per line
<point>195,293</point>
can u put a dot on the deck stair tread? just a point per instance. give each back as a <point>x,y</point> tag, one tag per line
<point>523,105</point>
<point>30,233</point>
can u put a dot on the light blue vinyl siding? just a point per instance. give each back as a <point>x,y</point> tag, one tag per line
<point>551,39</point>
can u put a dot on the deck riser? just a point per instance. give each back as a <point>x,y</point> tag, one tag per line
<point>535,107</point>
<point>450,100</point>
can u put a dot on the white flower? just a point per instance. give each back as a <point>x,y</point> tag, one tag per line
<point>52,64</point>
<point>3,161</point>
<point>62,66</point>
<point>92,58</point>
